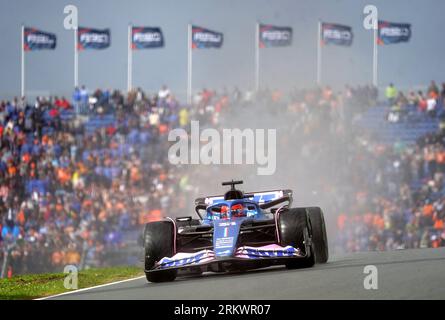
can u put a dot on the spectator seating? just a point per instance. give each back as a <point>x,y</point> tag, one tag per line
<point>97,122</point>
<point>406,131</point>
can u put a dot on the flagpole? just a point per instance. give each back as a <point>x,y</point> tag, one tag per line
<point>22,88</point>
<point>319,54</point>
<point>189,67</point>
<point>257,58</point>
<point>375,58</point>
<point>129,60</point>
<point>76,58</point>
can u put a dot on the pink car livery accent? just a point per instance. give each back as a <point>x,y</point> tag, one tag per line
<point>245,252</point>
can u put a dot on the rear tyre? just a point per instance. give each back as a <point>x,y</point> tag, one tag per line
<point>158,243</point>
<point>319,236</point>
<point>294,229</point>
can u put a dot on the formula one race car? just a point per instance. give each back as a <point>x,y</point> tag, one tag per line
<point>236,232</point>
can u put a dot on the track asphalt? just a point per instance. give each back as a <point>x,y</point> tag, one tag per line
<point>403,274</point>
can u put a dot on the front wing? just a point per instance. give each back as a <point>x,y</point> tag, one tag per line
<point>243,255</point>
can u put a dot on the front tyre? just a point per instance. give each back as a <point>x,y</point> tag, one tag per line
<point>158,243</point>
<point>294,230</point>
<point>319,236</point>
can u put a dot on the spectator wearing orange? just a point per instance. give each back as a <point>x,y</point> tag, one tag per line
<point>438,224</point>
<point>433,90</point>
<point>72,256</point>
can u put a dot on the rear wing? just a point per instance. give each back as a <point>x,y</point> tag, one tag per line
<point>261,197</point>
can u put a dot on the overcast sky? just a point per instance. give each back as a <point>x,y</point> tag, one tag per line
<point>406,64</point>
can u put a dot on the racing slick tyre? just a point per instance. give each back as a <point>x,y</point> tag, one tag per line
<point>158,243</point>
<point>294,230</point>
<point>319,237</point>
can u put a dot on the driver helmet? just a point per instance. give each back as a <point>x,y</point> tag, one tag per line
<point>238,210</point>
<point>224,212</point>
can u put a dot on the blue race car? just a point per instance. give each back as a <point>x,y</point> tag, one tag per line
<point>236,232</point>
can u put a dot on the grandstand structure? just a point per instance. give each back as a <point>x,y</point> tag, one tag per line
<point>407,131</point>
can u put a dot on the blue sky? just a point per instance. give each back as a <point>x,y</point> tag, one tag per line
<point>407,64</point>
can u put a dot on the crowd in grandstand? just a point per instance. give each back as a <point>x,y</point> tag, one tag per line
<point>69,189</point>
<point>385,196</point>
<point>406,107</point>
<point>75,175</point>
<point>399,198</point>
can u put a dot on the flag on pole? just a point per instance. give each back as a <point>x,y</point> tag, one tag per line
<point>390,32</point>
<point>336,34</point>
<point>204,38</point>
<point>89,38</point>
<point>273,36</point>
<point>34,39</point>
<point>146,38</point>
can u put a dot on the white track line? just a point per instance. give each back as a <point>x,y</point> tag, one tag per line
<point>85,289</point>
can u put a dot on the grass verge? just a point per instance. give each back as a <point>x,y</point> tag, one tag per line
<point>31,286</point>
